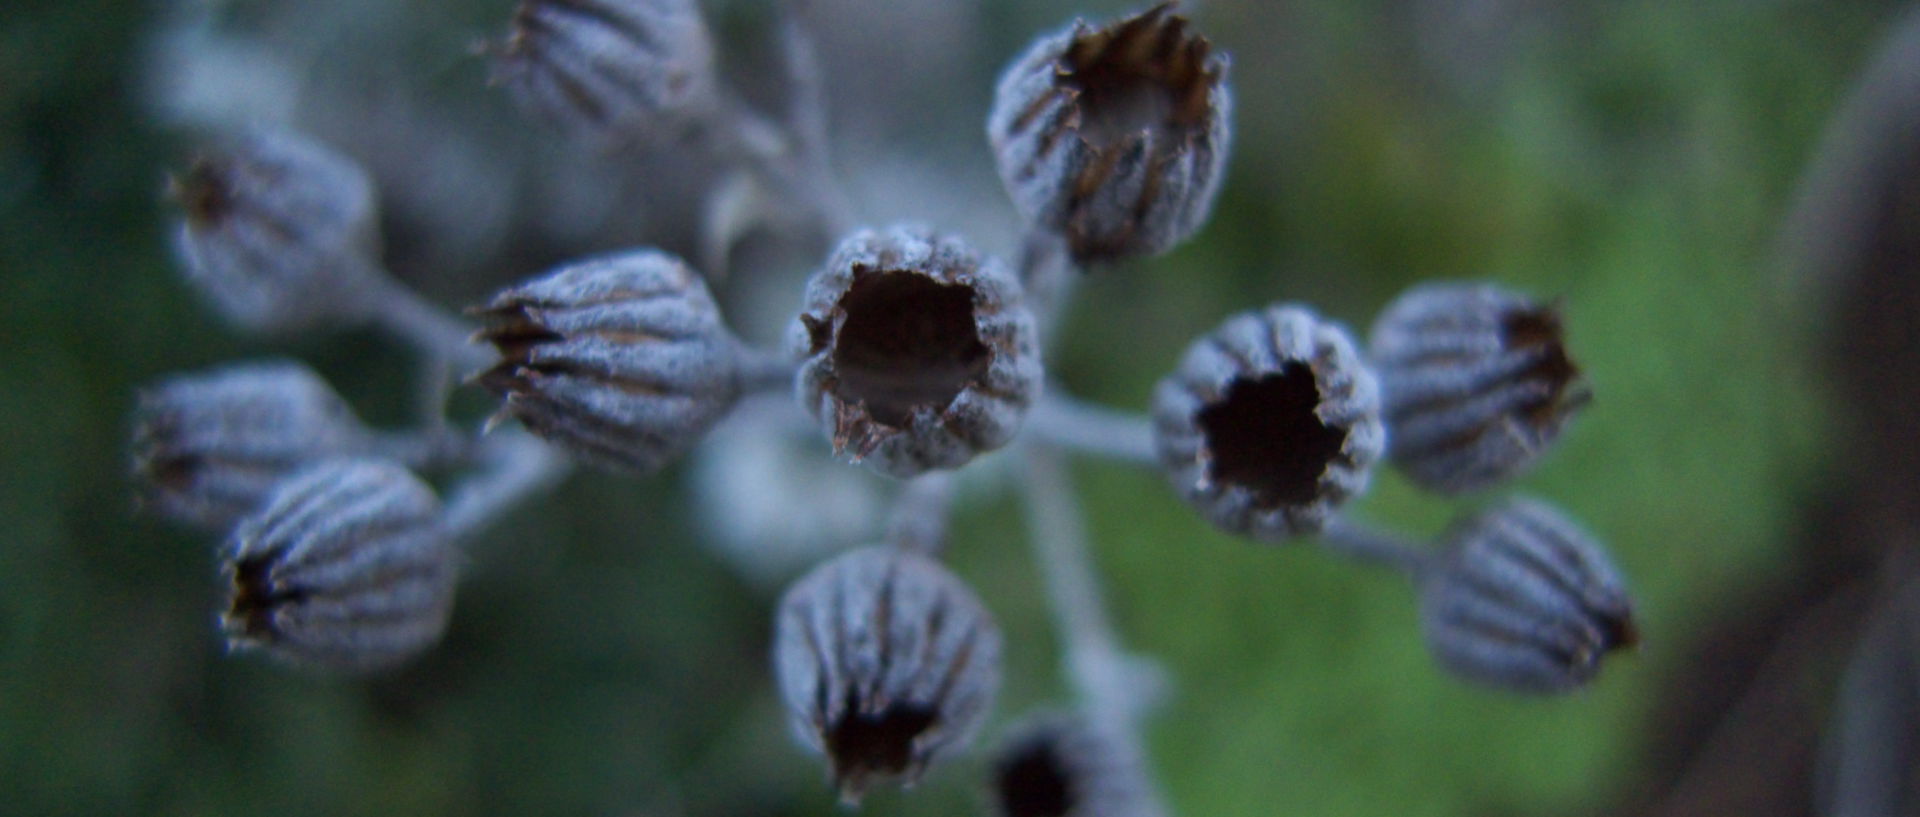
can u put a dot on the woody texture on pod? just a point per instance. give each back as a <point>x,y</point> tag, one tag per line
<point>607,71</point>
<point>917,352</point>
<point>1114,136</point>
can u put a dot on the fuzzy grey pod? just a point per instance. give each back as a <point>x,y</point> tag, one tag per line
<point>1270,423</point>
<point>621,359</point>
<point>917,352</point>
<point>1522,599</point>
<point>610,70</point>
<point>209,447</point>
<point>1476,383</point>
<point>887,663</point>
<point>345,568</point>
<point>1114,136</point>
<point>1063,765</point>
<point>279,231</point>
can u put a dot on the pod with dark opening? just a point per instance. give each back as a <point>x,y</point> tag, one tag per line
<point>1476,383</point>
<point>622,359</point>
<point>1270,423</point>
<point>345,568</point>
<point>209,447</point>
<point>917,352</point>
<point>1114,136</point>
<point>1062,765</point>
<point>887,663</point>
<point>1524,600</point>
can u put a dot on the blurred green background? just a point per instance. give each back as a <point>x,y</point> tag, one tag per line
<point>1635,157</point>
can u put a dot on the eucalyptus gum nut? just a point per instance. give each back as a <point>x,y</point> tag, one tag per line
<point>209,447</point>
<point>887,663</point>
<point>278,231</point>
<point>1114,136</point>
<point>917,353</point>
<point>345,568</point>
<point>621,359</point>
<point>1269,424</point>
<point>1477,382</point>
<point>1522,599</point>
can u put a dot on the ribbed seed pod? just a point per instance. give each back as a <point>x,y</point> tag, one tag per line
<point>345,568</point>
<point>610,70</point>
<point>887,663</point>
<point>1269,423</point>
<point>209,447</point>
<point>279,231</point>
<point>1523,600</point>
<point>1476,383</point>
<point>1062,765</point>
<point>918,353</point>
<point>622,359</point>
<point>1114,136</point>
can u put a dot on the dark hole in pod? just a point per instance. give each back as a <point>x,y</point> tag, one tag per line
<point>203,192</point>
<point>254,597</point>
<point>908,342</point>
<point>1265,437</point>
<point>1542,328</point>
<point>1033,782</point>
<point>1148,73</point>
<point>865,744</point>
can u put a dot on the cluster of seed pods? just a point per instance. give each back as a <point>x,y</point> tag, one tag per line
<point>913,352</point>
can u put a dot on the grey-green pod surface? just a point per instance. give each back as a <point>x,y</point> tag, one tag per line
<point>1114,136</point>
<point>1476,381</point>
<point>345,568</point>
<point>887,663</point>
<point>1061,764</point>
<point>1522,599</point>
<point>279,231</point>
<point>1270,423</point>
<point>621,359</point>
<point>917,353</point>
<point>608,70</point>
<point>209,447</point>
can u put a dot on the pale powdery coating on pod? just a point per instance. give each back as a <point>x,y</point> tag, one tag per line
<point>1476,383</point>
<point>209,447</point>
<point>279,231</point>
<point>345,568</point>
<point>887,663</point>
<point>1524,600</point>
<point>1062,765</point>
<point>610,70</point>
<point>621,359</point>
<point>917,352</point>
<point>1114,136</point>
<point>1270,423</point>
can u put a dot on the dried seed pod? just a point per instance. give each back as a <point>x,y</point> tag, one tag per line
<point>609,70</point>
<point>345,568</point>
<point>1269,423</point>
<point>1114,136</point>
<point>209,447</point>
<point>918,352</point>
<point>887,663</point>
<point>1063,765</point>
<point>1523,600</point>
<point>279,231</point>
<point>1476,383</point>
<point>622,359</point>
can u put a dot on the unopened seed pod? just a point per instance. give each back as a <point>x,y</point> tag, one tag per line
<point>609,70</point>
<point>345,568</point>
<point>621,359</point>
<point>209,447</point>
<point>1064,765</point>
<point>917,352</point>
<point>1114,136</point>
<point>1522,599</point>
<point>887,663</point>
<point>1476,383</point>
<point>279,231</point>
<point>1269,423</point>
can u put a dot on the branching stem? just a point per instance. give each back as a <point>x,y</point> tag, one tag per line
<point>516,466</point>
<point>1362,543</point>
<point>1067,422</point>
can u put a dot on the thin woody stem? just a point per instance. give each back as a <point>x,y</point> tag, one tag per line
<point>920,513</point>
<point>516,466</point>
<point>401,311</point>
<point>1069,423</point>
<point>1369,545</point>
